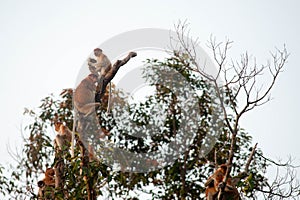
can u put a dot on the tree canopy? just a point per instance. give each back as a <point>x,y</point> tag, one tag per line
<point>164,147</point>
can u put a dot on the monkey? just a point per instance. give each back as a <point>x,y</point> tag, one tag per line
<point>64,136</point>
<point>214,182</point>
<point>100,67</point>
<point>48,181</point>
<point>102,64</point>
<point>103,68</point>
<point>84,95</point>
<point>84,102</point>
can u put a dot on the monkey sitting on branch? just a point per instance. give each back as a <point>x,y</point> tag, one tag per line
<point>63,138</point>
<point>105,71</point>
<point>84,95</point>
<point>214,182</point>
<point>87,96</point>
<point>48,181</point>
<point>84,103</point>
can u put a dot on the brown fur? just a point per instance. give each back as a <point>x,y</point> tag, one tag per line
<point>64,136</point>
<point>102,65</point>
<point>48,181</point>
<point>213,182</point>
<point>84,95</point>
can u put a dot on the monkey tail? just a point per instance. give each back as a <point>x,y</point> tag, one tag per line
<point>109,100</point>
<point>73,132</point>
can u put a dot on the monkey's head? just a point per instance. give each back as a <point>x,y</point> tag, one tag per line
<point>49,172</point>
<point>41,184</point>
<point>97,52</point>
<point>57,125</point>
<point>223,168</point>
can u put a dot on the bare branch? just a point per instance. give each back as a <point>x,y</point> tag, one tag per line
<point>243,82</point>
<point>282,187</point>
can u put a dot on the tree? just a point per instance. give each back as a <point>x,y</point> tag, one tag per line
<point>240,82</point>
<point>163,177</point>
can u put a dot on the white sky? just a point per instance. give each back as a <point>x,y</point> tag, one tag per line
<point>44,43</point>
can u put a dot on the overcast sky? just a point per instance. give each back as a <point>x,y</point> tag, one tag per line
<point>44,43</point>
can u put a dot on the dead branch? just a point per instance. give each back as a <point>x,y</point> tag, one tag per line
<point>117,65</point>
<point>284,186</point>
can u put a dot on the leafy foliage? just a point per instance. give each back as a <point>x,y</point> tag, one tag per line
<point>181,178</point>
